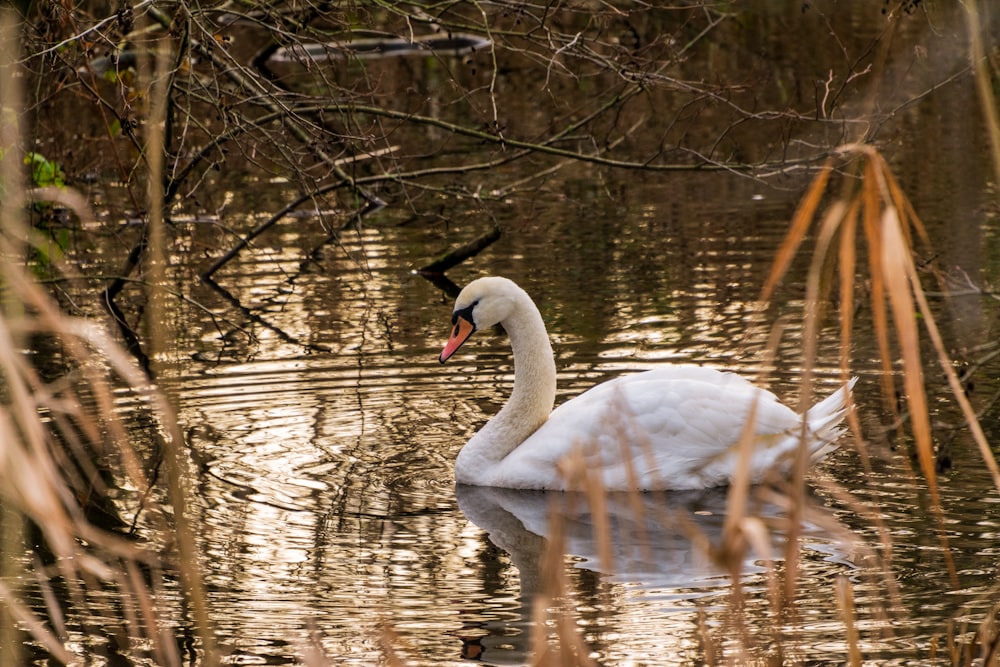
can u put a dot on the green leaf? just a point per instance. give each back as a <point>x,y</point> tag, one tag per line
<point>44,173</point>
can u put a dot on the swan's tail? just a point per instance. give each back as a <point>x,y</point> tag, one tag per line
<point>824,418</point>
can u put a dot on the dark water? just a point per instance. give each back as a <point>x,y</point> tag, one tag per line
<point>324,430</point>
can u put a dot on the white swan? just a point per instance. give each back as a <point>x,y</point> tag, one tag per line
<point>676,427</point>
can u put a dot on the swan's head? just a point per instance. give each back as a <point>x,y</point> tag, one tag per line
<point>483,303</point>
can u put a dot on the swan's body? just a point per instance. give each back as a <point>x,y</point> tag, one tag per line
<point>676,427</point>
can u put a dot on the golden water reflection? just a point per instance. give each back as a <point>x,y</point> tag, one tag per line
<point>322,431</point>
<point>325,433</point>
<point>326,477</point>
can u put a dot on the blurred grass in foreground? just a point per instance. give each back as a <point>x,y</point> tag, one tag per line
<point>869,211</point>
<point>61,439</point>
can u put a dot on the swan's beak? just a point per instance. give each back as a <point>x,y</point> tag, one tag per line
<point>463,329</point>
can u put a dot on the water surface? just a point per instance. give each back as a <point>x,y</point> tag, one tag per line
<point>327,452</point>
<point>323,430</point>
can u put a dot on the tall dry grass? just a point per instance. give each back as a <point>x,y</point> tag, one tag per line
<point>864,234</point>
<point>864,231</point>
<point>64,538</point>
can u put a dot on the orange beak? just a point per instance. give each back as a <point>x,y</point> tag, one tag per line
<point>463,329</point>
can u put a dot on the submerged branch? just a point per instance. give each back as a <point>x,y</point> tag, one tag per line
<point>462,253</point>
<point>252,315</point>
<point>111,292</point>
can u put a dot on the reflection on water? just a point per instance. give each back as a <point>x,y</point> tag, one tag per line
<point>660,570</point>
<point>327,507</point>
<point>328,504</point>
<point>325,431</point>
<point>656,540</point>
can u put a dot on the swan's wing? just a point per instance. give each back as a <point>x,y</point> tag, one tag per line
<point>671,428</point>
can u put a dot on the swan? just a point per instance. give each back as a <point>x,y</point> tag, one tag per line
<point>671,428</point>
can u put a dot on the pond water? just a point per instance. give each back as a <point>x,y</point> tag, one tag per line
<point>323,431</point>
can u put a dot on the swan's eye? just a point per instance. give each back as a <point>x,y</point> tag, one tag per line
<point>465,314</point>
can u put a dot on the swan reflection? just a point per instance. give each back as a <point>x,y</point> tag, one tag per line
<point>659,545</point>
<point>656,540</point>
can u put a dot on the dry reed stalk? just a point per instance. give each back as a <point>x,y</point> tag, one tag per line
<point>159,335</point>
<point>889,225</point>
<point>707,641</point>
<point>984,81</point>
<point>989,639</point>
<point>876,205</point>
<point>736,529</point>
<point>907,299</point>
<point>550,606</point>
<point>842,218</point>
<point>745,532</point>
<point>12,612</point>
<point>390,642</point>
<point>845,603</point>
<point>591,483</point>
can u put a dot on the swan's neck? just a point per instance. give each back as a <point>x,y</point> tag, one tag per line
<point>529,404</point>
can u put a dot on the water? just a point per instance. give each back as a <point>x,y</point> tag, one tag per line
<point>325,451</point>
<point>322,429</point>
<point>324,432</point>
